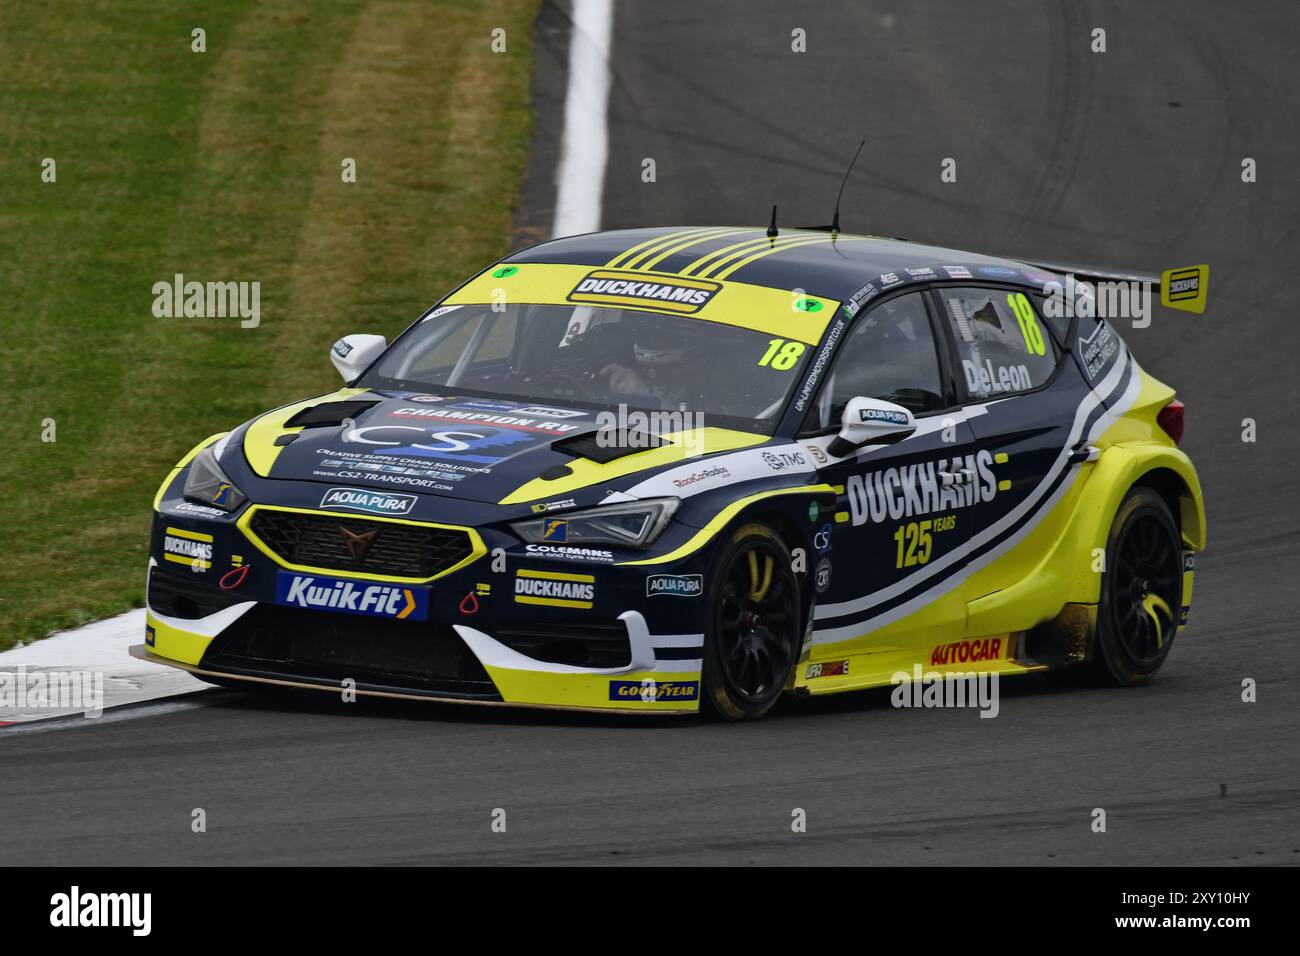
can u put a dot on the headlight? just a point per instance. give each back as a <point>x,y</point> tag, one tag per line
<point>207,483</point>
<point>632,525</point>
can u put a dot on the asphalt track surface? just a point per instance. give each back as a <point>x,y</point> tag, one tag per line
<point>1130,158</point>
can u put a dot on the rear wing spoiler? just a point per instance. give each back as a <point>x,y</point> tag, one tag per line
<point>1182,288</point>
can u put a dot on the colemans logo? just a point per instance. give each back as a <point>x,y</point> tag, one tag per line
<point>669,293</point>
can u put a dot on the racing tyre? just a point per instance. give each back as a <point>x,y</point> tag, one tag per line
<point>753,635</point>
<point>1141,591</point>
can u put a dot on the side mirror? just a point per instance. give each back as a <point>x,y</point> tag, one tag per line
<point>352,354</point>
<point>871,421</point>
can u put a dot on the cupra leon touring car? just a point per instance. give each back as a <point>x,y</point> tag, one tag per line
<point>666,470</point>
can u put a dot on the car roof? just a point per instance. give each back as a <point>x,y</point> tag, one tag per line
<point>815,261</point>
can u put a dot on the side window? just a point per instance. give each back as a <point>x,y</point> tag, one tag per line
<point>1002,345</point>
<point>889,354</point>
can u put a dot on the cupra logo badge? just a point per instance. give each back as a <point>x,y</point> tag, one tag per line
<point>358,543</point>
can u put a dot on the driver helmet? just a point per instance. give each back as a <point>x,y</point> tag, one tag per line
<point>657,344</point>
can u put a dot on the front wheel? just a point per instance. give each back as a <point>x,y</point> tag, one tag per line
<point>1141,592</point>
<point>753,638</point>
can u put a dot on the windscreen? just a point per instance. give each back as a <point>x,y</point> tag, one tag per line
<point>598,356</point>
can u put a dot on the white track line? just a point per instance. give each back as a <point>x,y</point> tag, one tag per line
<point>580,178</point>
<point>99,648</point>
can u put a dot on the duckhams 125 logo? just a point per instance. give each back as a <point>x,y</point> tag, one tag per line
<point>670,293</point>
<point>319,593</point>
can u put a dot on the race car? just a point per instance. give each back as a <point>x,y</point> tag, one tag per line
<point>672,470</point>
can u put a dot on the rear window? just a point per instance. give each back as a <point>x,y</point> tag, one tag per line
<point>1003,347</point>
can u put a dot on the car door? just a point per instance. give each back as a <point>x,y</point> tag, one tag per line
<point>1021,409</point>
<point>887,554</point>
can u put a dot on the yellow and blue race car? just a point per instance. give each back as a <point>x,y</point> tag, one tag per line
<point>665,470</point>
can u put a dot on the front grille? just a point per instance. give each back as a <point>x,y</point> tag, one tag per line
<point>580,643</point>
<point>396,550</point>
<point>324,647</point>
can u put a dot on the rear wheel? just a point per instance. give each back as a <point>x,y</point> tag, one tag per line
<point>1141,592</point>
<point>753,638</point>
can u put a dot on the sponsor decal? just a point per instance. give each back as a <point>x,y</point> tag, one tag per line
<point>320,593</point>
<point>570,552</point>
<point>918,489</point>
<point>674,585</point>
<point>484,446</point>
<point>1185,288</point>
<point>688,480</point>
<point>881,415</point>
<point>820,362</point>
<point>860,298</point>
<point>822,539</point>
<point>150,636</point>
<point>654,692</point>
<point>1189,561</point>
<point>781,460</point>
<point>545,506</point>
<point>374,502</point>
<point>957,272</point>
<point>925,272</point>
<point>424,398</point>
<point>889,279</point>
<point>995,378</point>
<point>822,576</point>
<point>814,509</point>
<point>671,294</point>
<point>544,411</point>
<point>1182,616</point>
<point>1098,349</point>
<point>496,414</point>
<point>554,589</point>
<point>996,271</point>
<point>342,349</point>
<point>1041,278</point>
<point>827,669</point>
<point>187,508</point>
<point>818,455</point>
<point>192,549</point>
<point>964,652</point>
<point>555,530</point>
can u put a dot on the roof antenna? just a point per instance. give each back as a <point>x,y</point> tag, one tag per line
<point>771,230</point>
<point>835,219</point>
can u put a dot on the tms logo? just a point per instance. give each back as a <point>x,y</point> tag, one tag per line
<point>318,593</point>
<point>781,460</point>
<point>375,502</point>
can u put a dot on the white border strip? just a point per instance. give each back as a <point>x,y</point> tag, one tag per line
<point>580,179</point>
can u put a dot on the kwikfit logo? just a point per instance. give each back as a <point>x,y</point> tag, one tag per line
<point>351,597</point>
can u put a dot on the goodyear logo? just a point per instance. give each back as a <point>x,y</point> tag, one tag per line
<point>654,692</point>
<point>1185,288</point>
<point>554,588</point>
<point>318,593</point>
<point>555,529</point>
<point>670,294</point>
